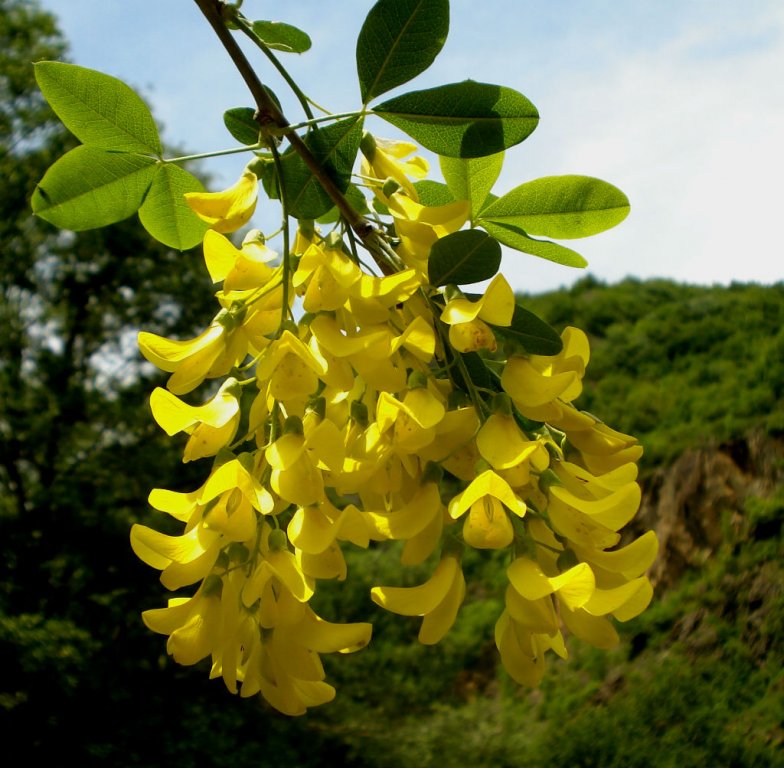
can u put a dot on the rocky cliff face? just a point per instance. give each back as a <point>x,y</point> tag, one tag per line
<point>688,502</point>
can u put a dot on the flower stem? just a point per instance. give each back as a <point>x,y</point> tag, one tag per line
<point>217,153</point>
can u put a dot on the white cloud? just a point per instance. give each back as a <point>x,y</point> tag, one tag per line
<point>692,131</point>
<point>678,104</point>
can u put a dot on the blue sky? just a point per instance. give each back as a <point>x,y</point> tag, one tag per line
<point>677,102</point>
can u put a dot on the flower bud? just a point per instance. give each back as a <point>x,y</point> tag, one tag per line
<point>238,551</point>
<point>293,425</point>
<point>213,585</point>
<point>547,479</point>
<point>417,380</point>
<point>277,540</point>
<point>359,413</point>
<point>390,187</point>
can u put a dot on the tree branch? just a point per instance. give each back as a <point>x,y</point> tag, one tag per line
<point>269,116</point>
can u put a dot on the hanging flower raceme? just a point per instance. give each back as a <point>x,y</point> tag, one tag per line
<point>354,388</point>
<point>365,406</point>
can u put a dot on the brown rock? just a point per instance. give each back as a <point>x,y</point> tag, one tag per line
<point>688,502</point>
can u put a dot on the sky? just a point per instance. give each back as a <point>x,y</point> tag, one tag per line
<point>677,102</point>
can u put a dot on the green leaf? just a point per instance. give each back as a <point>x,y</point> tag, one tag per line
<point>98,109</point>
<point>472,178</point>
<point>264,168</point>
<point>516,238</point>
<point>530,333</point>
<point>560,206</point>
<point>467,119</point>
<point>477,370</point>
<point>282,37</point>
<point>433,193</point>
<point>90,187</point>
<point>335,148</point>
<point>241,121</point>
<point>399,40</point>
<point>166,215</point>
<point>463,257</point>
<point>355,198</point>
<point>241,125</point>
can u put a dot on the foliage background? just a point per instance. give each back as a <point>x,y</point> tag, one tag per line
<point>697,680</point>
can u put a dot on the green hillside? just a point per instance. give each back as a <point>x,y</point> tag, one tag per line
<point>678,365</point>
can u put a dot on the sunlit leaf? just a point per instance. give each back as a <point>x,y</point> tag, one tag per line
<point>241,121</point>
<point>516,238</point>
<point>282,37</point>
<point>90,187</point>
<point>356,200</point>
<point>463,257</point>
<point>335,149</point>
<point>398,41</point>
<point>241,125</point>
<point>433,193</point>
<point>560,206</point>
<point>467,119</point>
<point>166,215</point>
<point>98,109</point>
<point>471,178</point>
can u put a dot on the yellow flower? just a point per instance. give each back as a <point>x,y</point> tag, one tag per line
<point>211,354</point>
<point>193,625</point>
<point>437,600</point>
<point>574,587</point>
<point>240,270</point>
<point>314,528</point>
<point>292,368</point>
<point>371,298</point>
<point>184,559</point>
<point>230,209</point>
<point>284,664</point>
<point>592,522</point>
<point>234,475</point>
<point>536,382</point>
<point>535,615</point>
<point>327,275</point>
<point>628,562</point>
<point>373,350</point>
<point>495,306</point>
<point>410,519</point>
<point>502,444</point>
<point>382,160</point>
<point>453,446</point>
<point>413,419</point>
<point>295,477</point>
<point>595,630</point>
<point>487,525</point>
<point>471,336</point>
<point>211,426</point>
<point>419,226</point>
<point>523,651</point>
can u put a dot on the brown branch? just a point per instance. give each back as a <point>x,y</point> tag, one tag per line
<point>269,116</point>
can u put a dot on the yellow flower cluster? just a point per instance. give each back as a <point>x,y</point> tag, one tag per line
<point>360,423</point>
